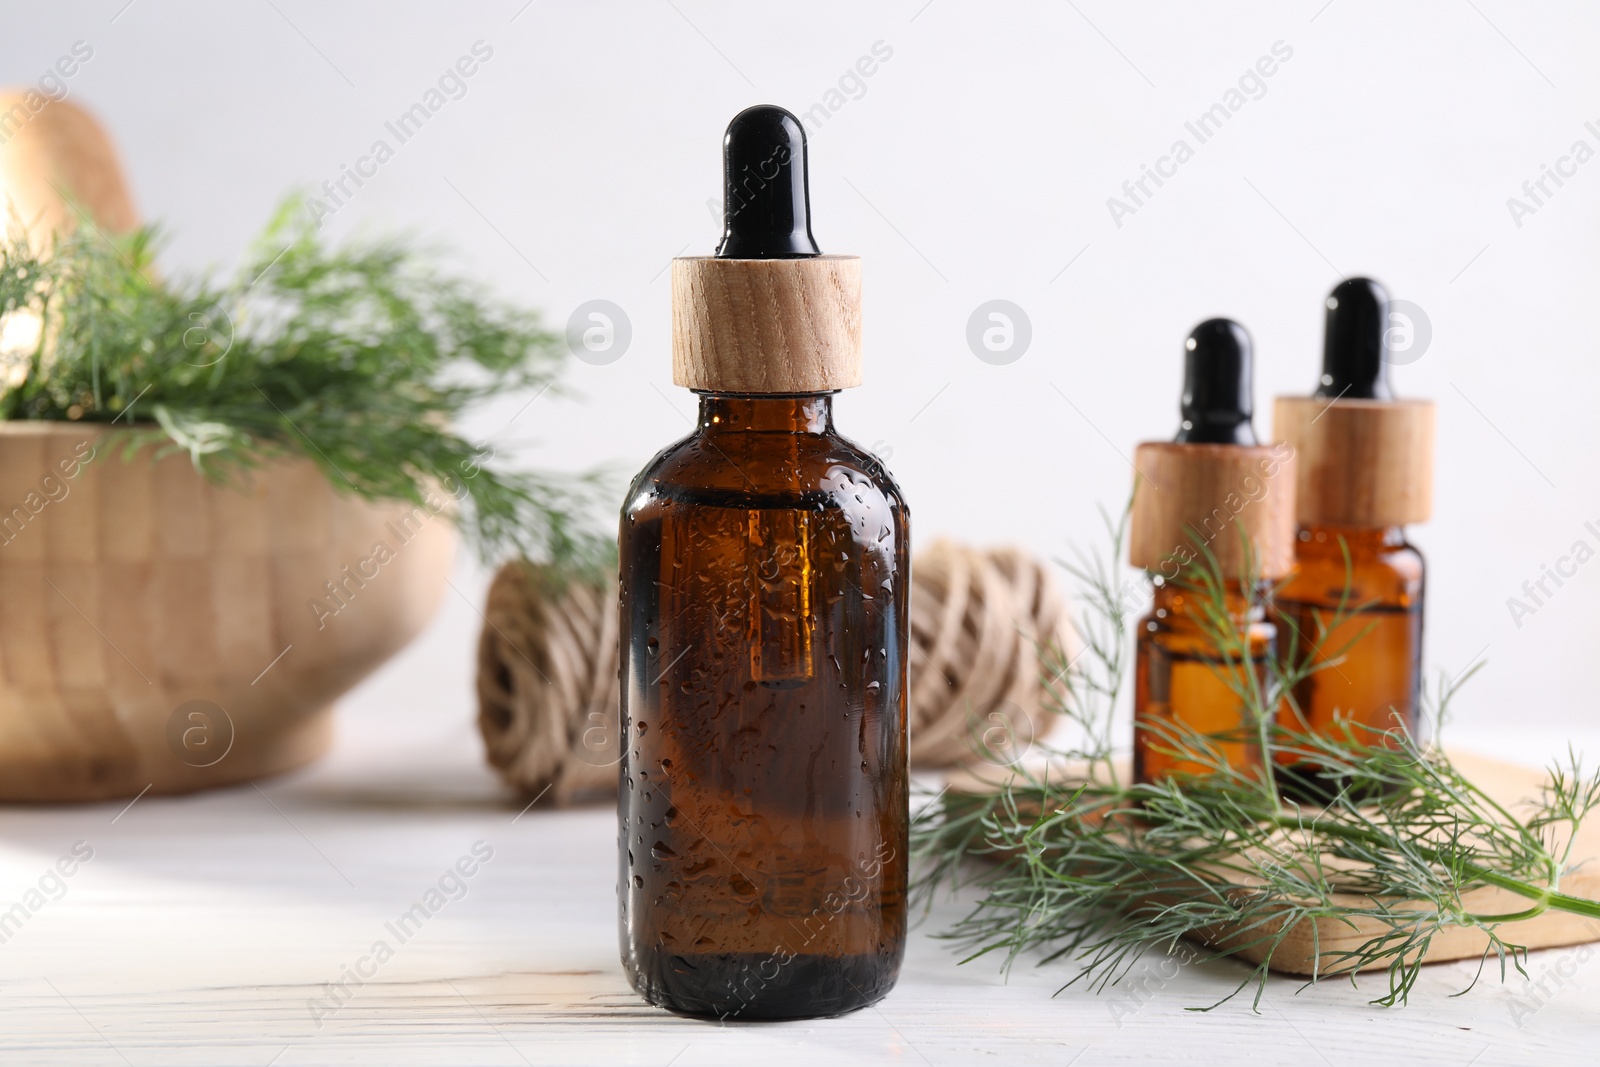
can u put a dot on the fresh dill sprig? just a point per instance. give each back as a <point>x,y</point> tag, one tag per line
<point>360,358</point>
<point>1080,864</point>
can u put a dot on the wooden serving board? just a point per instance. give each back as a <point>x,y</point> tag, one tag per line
<point>1510,785</point>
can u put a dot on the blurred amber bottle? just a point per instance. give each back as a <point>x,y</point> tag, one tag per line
<point>1375,684</point>
<point>1182,683</point>
<point>1213,492</point>
<point>764,562</point>
<point>1365,471</point>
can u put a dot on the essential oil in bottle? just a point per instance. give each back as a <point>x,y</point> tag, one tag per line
<point>763,814</point>
<point>1213,497</point>
<point>1365,472</point>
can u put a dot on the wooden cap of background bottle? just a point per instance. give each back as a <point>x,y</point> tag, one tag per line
<point>1360,462</point>
<point>766,325</point>
<point>1189,495</point>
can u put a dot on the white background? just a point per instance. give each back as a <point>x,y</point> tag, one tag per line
<point>975,165</point>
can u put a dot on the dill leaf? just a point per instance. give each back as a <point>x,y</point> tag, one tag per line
<point>359,358</point>
<point>1070,861</point>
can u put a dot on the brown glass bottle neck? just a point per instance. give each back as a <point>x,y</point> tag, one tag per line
<point>1182,602</point>
<point>1323,539</point>
<point>732,413</point>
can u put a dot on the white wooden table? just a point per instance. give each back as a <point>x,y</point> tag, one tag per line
<point>204,929</point>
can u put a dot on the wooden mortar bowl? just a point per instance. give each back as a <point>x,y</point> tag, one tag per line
<point>159,630</point>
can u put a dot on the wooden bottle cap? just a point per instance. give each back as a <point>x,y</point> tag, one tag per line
<point>1191,495</point>
<point>766,325</point>
<point>50,151</point>
<point>1360,462</point>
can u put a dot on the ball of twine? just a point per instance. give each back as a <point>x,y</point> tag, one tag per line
<point>982,621</point>
<point>547,682</point>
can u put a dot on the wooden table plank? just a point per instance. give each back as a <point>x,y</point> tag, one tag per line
<point>204,926</point>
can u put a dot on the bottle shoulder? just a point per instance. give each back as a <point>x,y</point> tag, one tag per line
<point>766,470</point>
<point>1406,560</point>
<point>663,462</point>
<point>1180,633</point>
<point>1177,615</point>
<point>1396,556</point>
<point>1387,572</point>
<point>869,466</point>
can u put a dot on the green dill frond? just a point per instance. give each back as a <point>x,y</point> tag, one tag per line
<point>1069,861</point>
<point>359,358</point>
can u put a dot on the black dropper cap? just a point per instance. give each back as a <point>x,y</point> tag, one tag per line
<point>766,206</point>
<point>1217,402</point>
<point>1354,342</point>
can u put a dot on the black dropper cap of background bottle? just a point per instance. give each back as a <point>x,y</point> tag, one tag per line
<point>1354,342</point>
<point>766,206</point>
<point>1217,403</point>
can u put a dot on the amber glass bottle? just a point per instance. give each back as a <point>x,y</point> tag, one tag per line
<point>764,562</point>
<point>1194,496</point>
<point>1374,686</point>
<point>1180,678</point>
<point>1365,471</point>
